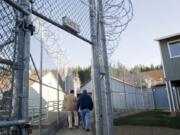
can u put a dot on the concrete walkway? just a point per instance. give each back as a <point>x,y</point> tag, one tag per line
<point>66,131</point>
<point>145,130</point>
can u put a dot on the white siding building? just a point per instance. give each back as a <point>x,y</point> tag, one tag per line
<point>49,91</point>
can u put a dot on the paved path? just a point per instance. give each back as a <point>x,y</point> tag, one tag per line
<point>66,131</point>
<point>145,130</point>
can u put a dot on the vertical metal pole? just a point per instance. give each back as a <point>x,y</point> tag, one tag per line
<point>135,91</point>
<point>58,73</point>
<point>96,70</point>
<point>169,97</point>
<point>26,77</point>
<point>21,83</point>
<point>142,94</point>
<point>40,85</point>
<point>154,98</point>
<point>18,75</point>
<point>124,87</point>
<point>153,104</point>
<point>65,84</point>
<point>176,98</point>
<point>109,118</point>
<point>172,96</point>
<point>178,95</point>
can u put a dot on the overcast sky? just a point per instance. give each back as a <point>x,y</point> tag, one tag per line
<point>137,45</point>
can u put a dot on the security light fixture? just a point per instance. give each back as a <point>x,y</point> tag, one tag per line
<point>71,25</point>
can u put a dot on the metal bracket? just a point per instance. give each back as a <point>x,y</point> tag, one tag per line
<point>30,27</point>
<point>31,1</point>
<point>19,23</point>
<point>22,24</point>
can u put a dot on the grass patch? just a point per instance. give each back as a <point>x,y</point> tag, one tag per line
<point>151,118</point>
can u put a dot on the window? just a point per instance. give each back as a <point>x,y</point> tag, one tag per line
<point>174,49</point>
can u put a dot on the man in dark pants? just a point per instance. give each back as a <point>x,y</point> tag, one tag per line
<point>86,105</point>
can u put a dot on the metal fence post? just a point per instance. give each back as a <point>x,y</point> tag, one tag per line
<point>58,73</point>
<point>40,85</point>
<point>178,96</point>
<point>124,90</point>
<point>135,92</point>
<point>169,97</point>
<point>96,70</point>
<point>21,80</point>
<point>142,94</point>
<point>108,104</point>
<point>172,96</point>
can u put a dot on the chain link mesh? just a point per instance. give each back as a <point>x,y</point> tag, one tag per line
<point>7,53</point>
<point>55,10</point>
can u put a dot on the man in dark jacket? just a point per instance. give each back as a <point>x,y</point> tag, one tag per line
<point>85,104</point>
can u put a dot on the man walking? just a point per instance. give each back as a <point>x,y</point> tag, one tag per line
<point>70,106</point>
<point>86,105</point>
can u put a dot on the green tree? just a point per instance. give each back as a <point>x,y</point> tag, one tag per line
<point>84,73</point>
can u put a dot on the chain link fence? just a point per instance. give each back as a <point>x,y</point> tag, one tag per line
<point>130,92</point>
<point>53,11</point>
<point>52,115</point>
<point>134,99</point>
<point>7,56</point>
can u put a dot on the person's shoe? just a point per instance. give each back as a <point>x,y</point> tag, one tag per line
<point>87,130</point>
<point>76,127</point>
<point>70,128</point>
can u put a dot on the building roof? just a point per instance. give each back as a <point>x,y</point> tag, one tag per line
<point>126,80</point>
<point>5,84</point>
<point>167,37</point>
<point>156,77</point>
<point>34,76</point>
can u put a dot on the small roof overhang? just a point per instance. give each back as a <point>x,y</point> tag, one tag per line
<point>167,37</point>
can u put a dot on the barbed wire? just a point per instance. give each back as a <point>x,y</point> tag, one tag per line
<point>116,14</point>
<point>55,10</point>
<point>51,41</point>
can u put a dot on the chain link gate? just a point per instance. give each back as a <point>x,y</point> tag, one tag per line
<point>7,59</point>
<point>15,54</point>
<point>15,30</point>
<point>14,65</point>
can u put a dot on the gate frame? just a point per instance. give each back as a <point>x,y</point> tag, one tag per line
<point>22,74</point>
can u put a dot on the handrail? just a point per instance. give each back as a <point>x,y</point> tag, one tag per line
<point>51,106</point>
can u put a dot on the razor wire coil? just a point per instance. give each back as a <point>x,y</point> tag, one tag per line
<point>55,10</point>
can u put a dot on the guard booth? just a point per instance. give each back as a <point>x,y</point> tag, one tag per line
<point>170,52</point>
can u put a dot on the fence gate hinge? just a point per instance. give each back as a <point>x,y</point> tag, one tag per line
<point>24,25</point>
<point>30,27</point>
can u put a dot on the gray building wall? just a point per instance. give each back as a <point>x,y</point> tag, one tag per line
<point>171,65</point>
